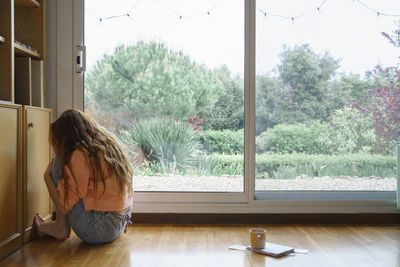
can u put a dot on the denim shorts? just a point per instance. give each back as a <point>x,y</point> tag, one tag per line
<point>94,227</point>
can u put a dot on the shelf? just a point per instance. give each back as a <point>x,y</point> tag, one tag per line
<point>2,39</point>
<point>20,50</point>
<point>27,3</point>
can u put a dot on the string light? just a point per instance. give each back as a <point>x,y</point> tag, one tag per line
<point>318,9</point>
<point>264,12</point>
<point>293,18</point>
<point>180,16</point>
<point>128,14</point>
<point>378,13</point>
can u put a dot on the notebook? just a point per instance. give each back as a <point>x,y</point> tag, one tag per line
<point>273,250</point>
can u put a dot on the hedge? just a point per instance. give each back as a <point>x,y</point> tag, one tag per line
<point>222,142</point>
<point>292,138</point>
<point>291,165</point>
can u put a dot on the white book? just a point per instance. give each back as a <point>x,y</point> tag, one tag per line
<point>273,250</point>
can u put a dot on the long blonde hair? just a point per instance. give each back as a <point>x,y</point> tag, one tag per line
<point>75,130</point>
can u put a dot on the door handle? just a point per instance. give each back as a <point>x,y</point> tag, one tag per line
<point>80,54</point>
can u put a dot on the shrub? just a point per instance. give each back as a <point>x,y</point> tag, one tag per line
<point>348,131</point>
<point>222,142</point>
<point>228,164</point>
<point>291,138</point>
<point>218,165</point>
<point>292,165</point>
<point>169,144</point>
<point>326,165</point>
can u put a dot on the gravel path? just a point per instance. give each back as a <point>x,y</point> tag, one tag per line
<point>235,183</point>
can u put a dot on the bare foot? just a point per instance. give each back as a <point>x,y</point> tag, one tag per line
<point>50,228</point>
<point>37,220</point>
<point>40,217</point>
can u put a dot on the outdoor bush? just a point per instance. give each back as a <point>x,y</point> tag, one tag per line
<point>222,142</point>
<point>216,165</point>
<point>291,138</point>
<point>172,146</point>
<point>228,164</point>
<point>285,172</point>
<point>292,165</point>
<point>348,131</point>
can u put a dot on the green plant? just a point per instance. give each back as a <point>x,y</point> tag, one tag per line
<point>348,131</point>
<point>222,142</point>
<point>361,165</point>
<point>227,112</point>
<point>292,165</point>
<point>209,165</point>
<point>291,138</point>
<point>149,79</point>
<point>285,172</point>
<point>169,143</point>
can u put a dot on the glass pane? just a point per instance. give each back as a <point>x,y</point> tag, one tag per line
<point>167,78</point>
<point>327,95</point>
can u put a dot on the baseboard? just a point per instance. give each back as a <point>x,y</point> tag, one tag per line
<point>10,245</point>
<point>195,218</point>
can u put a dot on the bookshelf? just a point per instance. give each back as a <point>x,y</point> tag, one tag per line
<point>23,51</point>
<point>22,35</point>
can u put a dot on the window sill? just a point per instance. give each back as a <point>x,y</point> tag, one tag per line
<point>273,207</point>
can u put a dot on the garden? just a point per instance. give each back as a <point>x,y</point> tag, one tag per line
<point>316,128</point>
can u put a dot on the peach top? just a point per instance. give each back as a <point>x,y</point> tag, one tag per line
<point>83,187</point>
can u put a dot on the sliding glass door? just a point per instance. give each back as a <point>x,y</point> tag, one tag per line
<point>167,77</point>
<point>240,101</point>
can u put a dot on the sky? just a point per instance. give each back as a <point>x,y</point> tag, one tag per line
<point>211,32</point>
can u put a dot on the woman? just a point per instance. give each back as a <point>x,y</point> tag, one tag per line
<point>89,180</point>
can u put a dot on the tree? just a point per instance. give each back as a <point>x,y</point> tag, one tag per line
<point>382,103</point>
<point>356,85</point>
<point>149,80</point>
<point>303,91</point>
<point>227,112</point>
<point>306,72</point>
<point>271,96</point>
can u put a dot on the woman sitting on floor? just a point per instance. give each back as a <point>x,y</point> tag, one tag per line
<point>89,180</point>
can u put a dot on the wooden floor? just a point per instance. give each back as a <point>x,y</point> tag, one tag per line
<point>207,245</point>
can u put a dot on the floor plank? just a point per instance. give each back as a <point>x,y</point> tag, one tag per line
<point>207,245</point>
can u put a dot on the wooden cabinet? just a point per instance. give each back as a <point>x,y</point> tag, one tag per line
<point>37,156</point>
<point>10,179</point>
<point>24,147</point>
<point>24,155</point>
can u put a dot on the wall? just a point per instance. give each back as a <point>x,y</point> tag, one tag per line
<point>64,85</point>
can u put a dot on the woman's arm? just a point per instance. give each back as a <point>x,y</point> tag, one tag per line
<point>53,190</point>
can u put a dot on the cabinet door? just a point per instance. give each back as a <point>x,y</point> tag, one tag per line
<point>10,180</point>
<point>37,149</point>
